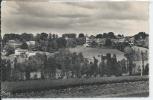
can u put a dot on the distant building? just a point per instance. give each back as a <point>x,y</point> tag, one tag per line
<point>13,43</point>
<point>58,73</point>
<point>35,75</point>
<point>20,51</point>
<point>89,41</point>
<point>31,44</point>
<point>101,41</point>
<point>31,53</point>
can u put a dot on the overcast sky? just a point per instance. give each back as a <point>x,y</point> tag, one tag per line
<point>61,17</point>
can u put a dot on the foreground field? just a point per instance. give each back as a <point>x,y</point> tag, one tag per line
<point>39,86</point>
<point>125,89</point>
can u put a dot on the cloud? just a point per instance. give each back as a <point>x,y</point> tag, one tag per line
<point>87,17</point>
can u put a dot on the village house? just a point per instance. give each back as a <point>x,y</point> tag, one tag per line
<point>31,45</point>
<point>14,44</point>
<point>35,75</point>
<point>58,74</point>
<point>88,42</point>
<point>101,41</point>
<point>19,51</point>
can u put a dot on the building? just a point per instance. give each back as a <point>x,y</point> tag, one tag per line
<point>101,41</point>
<point>31,44</point>
<point>14,44</point>
<point>89,41</point>
<point>35,75</point>
<point>20,51</point>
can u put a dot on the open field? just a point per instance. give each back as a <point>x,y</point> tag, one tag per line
<point>89,52</point>
<point>124,89</point>
<point>39,85</point>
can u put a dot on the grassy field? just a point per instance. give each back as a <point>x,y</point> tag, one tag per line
<point>123,89</point>
<point>89,52</point>
<point>36,85</point>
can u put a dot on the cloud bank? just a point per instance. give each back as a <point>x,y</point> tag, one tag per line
<point>61,17</point>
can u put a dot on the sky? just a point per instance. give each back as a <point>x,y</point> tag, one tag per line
<point>121,17</point>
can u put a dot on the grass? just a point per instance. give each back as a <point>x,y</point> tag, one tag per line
<point>36,85</point>
<point>89,52</point>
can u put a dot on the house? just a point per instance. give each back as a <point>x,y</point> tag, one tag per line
<point>121,40</point>
<point>131,39</point>
<point>35,75</point>
<point>3,52</point>
<point>31,44</point>
<point>31,53</point>
<point>101,41</point>
<point>89,41</point>
<point>58,73</point>
<point>20,51</point>
<point>114,40</point>
<point>14,44</point>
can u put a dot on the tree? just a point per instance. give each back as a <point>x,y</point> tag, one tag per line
<point>24,46</point>
<point>51,66</point>
<point>50,36</point>
<point>61,42</point>
<point>93,44</point>
<point>33,63</point>
<point>43,36</point>
<point>99,36</point>
<point>108,42</point>
<point>9,50</point>
<point>146,70</point>
<point>11,36</point>
<point>105,35</point>
<point>37,37</point>
<point>140,35</point>
<point>111,35</point>
<point>81,35</point>
<point>129,55</point>
<point>5,69</point>
<point>54,36</point>
<point>27,37</point>
<point>95,66</point>
<point>119,35</point>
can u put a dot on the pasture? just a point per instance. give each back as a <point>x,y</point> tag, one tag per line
<point>89,52</point>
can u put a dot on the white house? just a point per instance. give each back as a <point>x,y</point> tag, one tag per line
<point>13,43</point>
<point>31,53</point>
<point>31,44</point>
<point>20,51</point>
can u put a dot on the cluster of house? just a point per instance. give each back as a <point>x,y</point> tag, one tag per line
<point>15,44</point>
<point>118,40</point>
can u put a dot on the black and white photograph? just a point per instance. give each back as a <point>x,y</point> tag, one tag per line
<point>74,49</point>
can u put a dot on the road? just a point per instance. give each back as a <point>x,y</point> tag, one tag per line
<point>126,89</point>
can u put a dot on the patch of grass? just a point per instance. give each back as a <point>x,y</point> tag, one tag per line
<point>36,85</point>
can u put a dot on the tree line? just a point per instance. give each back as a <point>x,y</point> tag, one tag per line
<point>67,62</point>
